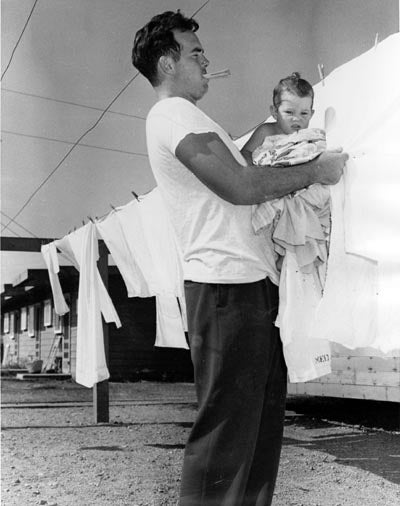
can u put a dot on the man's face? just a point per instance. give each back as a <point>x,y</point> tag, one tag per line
<point>293,113</point>
<point>189,79</point>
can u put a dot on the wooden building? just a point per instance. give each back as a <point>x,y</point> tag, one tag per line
<point>32,331</point>
<point>363,373</point>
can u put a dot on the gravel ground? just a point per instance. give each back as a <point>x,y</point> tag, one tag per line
<point>57,455</point>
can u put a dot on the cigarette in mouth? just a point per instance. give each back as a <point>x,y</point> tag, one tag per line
<point>221,73</point>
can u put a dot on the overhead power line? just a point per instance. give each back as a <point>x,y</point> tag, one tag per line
<point>12,231</point>
<point>72,148</point>
<point>69,142</point>
<point>72,103</point>
<point>16,223</point>
<point>199,9</point>
<point>19,40</point>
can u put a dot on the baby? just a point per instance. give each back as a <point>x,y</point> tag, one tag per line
<point>298,222</point>
<point>279,143</point>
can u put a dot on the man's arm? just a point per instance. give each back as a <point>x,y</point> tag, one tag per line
<point>209,159</point>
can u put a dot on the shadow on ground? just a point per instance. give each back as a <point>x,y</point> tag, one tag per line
<point>359,412</point>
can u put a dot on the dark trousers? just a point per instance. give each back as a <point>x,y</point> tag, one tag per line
<point>232,455</point>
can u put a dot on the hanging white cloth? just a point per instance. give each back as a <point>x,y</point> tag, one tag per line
<point>167,267</point>
<point>73,246</point>
<point>111,231</point>
<point>361,305</point>
<point>299,294</point>
<point>347,313</point>
<point>372,230</point>
<point>142,243</point>
<point>93,299</point>
<point>161,243</point>
<point>49,253</point>
<point>169,323</point>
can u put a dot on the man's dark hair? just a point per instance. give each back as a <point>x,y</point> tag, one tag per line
<point>293,84</point>
<point>157,39</point>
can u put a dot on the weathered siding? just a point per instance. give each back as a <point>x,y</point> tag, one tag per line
<point>26,347</point>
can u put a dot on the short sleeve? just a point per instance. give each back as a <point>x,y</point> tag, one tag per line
<point>175,121</point>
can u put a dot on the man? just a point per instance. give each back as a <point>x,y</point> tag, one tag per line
<point>232,456</point>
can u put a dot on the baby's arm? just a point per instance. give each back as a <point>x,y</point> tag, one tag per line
<point>256,139</point>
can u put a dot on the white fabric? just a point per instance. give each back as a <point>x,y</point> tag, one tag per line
<point>169,324</point>
<point>93,299</point>
<point>167,266</point>
<point>149,241</point>
<point>372,205</point>
<point>110,229</point>
<point>361,304</point>
<point>306,358</point>
<point>161,243</point>
<point>49,253</point>
<point>347,313</point>
<point>215,237</point>
<point>79,244</point>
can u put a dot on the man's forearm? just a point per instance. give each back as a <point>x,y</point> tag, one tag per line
<point>210,160</point>
<point>260,184</point>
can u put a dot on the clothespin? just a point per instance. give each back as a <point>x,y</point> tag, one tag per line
<point>83,222</point>
<point>321,73</point>
<point>90,218</point>
<point>112,207</point>
<point>376,40</point>
<point>135,195</point>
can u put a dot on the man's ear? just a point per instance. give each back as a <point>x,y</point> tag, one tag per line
<point>166,65</point>
<point>273,110</point>
<point>312,113</point>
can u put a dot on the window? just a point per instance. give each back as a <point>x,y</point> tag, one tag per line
<point>31,321</point>
<point>58,323</point>
<point>47,313</point>
<point>6,323</point>
<point>24,319</point>
<point>12,326</point>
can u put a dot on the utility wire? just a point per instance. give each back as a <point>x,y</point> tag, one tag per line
<point>72,103</point>
<point>12,231</point>
<point>26,230</point>
<point>199,9</point>
<point>18,224</point>
<point>68,142</point>
<point>72,148</point>
<point>19,39</point>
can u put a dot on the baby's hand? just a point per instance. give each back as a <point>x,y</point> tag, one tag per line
<point>330,165</point>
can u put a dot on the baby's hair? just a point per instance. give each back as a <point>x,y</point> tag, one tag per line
<point>293,84</point>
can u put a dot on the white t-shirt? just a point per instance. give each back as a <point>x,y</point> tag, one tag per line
<point>215,236</point>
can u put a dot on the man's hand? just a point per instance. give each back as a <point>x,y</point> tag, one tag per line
<point>330,165</point>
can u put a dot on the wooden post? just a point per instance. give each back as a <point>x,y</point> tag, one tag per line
<point>101,397</point>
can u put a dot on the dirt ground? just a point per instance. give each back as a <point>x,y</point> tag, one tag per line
<point>335,452</point>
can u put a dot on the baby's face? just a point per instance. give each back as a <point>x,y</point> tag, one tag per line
<point>293,113</point>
